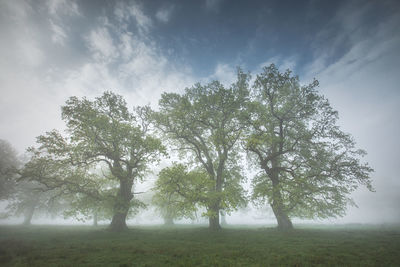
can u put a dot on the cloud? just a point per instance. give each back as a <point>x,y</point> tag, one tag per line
<point>63,7</point>
<point>59,34</point>
<point>362,84</point>
<point>101,44</point>
<point>224,73</point>
<point>34,84</point>
<point>164,14</point>
<point>126,12</point>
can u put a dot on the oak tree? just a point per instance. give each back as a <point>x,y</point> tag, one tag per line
<point>203,123</point>
<point>104,132</point>
<point>309,166</point>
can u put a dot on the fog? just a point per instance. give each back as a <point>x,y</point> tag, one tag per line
<point>52,50</point>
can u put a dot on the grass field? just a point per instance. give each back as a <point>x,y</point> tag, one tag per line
<point>196,246</point>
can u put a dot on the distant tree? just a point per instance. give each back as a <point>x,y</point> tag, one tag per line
<point>32,198</point>
<point>178,192</point>
<point>9,164</point>
<point>44,185</point>
<point>104,132</point>
<point>203,123</point>
<point>309,166</point>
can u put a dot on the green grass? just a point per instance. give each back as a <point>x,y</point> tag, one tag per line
<point>197,246</point>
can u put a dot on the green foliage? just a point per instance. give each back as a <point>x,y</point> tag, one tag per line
<point>309,166</point>
<point>203,123</point>
<point>103,133</point>
<point>179,192</point>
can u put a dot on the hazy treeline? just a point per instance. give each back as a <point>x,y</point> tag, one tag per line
<point>306,166</point>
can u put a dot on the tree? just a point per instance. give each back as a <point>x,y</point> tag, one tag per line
<point>204,123</point>
<point>9,164</point>
<point>45,184</point>
<point>178,192</point>
<point>32,198</point>
<point>105,132</point>
<point>309,166</point>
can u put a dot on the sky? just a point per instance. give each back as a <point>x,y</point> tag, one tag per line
<point>53,49</point>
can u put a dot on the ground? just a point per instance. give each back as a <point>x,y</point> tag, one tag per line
<point>197,246</point>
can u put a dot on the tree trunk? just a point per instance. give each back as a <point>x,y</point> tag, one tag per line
<point>118,222</point>
<point>215,207</point>
<point>168,221</point>
<point>214,223</point>
<point>95,218</point>
<point>121,206</point>
<point>283,220</point>
<point>214,219</point>
<point>30,209</point>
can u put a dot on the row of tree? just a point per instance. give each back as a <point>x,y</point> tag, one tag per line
<point>307,167</point>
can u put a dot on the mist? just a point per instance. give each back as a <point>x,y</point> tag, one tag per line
<point>195,133</point>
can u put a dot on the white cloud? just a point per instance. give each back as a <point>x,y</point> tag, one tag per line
<point>64,7</point>
<point>224,73</point>
<point>59,34</point>
<point>29,53</point>
<point>363,86</point>
<point>164,14</point>
<point>101,44</point>
<point>126,12</point>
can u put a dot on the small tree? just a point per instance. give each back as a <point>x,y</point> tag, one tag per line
<point>309,166</point>
<point>178,192</point>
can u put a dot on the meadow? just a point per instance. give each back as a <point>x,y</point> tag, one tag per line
<point>351,245</point>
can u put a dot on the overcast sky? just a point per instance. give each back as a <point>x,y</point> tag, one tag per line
<point>51,50</point>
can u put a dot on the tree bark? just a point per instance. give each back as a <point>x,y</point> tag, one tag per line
<point>277,205</point>
<point>168,221</point>
<point>28,214</point>
<point>121,206</point>
<point>214,223</point>
<point>95,217</point>
<point>118,222</point>
<point>283,220</point>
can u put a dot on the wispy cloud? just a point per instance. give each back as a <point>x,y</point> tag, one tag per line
<point>59,34</point>
<point>164,14</point>
<point>125,13</point>
<point>362,84</point>
<point>63,7</point>
<point>101,45</point>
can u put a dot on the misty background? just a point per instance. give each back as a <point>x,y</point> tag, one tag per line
<point>51,50</point>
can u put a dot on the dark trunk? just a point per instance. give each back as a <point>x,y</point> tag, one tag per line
<point>215,207</point>
<point>168,221</point>
<point>278,207</point>
<point>121,206</point>
<point>283,220</point>
<point>118,222</point>
<point>28,214</point>
<point>214,219</point>
<point>214,223</point>
<point>95,218</point>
